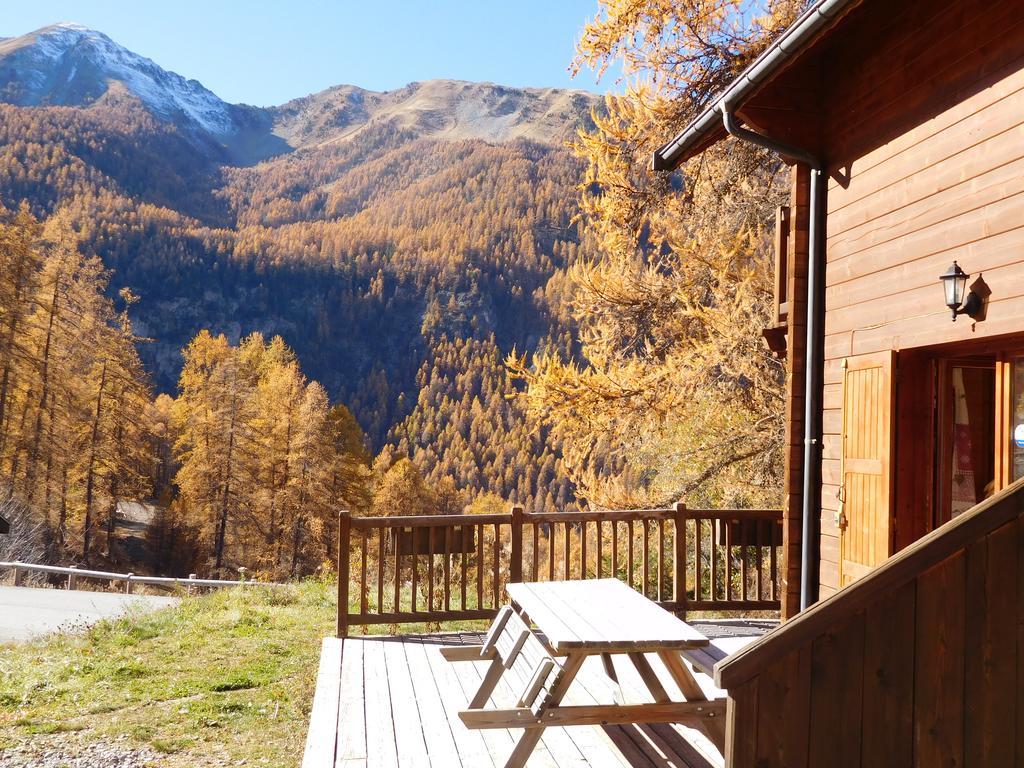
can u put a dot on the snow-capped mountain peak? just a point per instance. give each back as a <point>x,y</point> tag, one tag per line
<point>72,65</point>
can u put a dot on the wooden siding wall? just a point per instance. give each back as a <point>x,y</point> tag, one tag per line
<point>931,673</point>
<point>950,188</point>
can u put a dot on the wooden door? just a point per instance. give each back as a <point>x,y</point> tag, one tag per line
<point>866,494</point>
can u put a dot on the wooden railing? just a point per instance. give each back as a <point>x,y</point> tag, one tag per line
<point>73,574</point>
<point>441,568</point>
<point>917,663</point>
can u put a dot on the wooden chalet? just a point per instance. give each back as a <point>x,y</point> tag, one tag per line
<point>896,560</point>
<point>904,126</point>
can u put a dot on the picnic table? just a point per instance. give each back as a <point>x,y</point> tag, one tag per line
<point>576,620</point>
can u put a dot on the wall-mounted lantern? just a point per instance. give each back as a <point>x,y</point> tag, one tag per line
<point>954,283</point>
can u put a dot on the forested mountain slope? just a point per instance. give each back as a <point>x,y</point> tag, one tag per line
<point>392,239</point>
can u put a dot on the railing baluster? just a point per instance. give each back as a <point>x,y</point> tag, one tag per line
<point>480,566</point>
<point>447,568</point>
<point>380,570</point>
<point>583,549</point>
<point>760,559</point>
<point>430,568</point>
<point>515,564</point>
<point>661,561</point>
<point>551,551</point>
<point>630,574</point>
<point>462,581</point>
<point>744,556</point>
<point>615,549</point>
<point>396,535</point>
<point>497,566</point>
<point>566,563</point>
<point>728,560</point>
<point>600,547</point>
<point>414,558</point>
<point>698,587</point>
<point>646,576</point>
<point>536,550</point>
<point>714,558</point>
<point>774,575</point>
<point>362,571</point>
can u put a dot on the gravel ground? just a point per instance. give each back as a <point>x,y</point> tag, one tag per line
<point>77,755</point>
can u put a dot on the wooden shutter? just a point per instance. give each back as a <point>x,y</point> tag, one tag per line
<point>866,495</point>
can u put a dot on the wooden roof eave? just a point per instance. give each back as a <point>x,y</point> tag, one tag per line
<point>744,96</point>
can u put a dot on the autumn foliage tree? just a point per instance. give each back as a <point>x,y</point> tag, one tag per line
<point>265,463</point>
<point>73,395</point>
<point>673,382</point>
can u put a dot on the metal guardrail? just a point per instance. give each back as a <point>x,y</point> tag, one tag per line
<point>130,579</point>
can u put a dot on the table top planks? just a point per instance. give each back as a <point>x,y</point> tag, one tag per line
<point>601,616</point>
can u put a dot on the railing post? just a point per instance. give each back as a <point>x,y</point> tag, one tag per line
<point>679,547</point>
<point>128,583</point>
<point>17,575</point>
<point>515,565</point>
<point>344,537</point>
<point>72,578</point>
<point>191,588</point>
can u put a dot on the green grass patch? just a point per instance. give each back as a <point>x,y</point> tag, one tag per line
<point>225,676</point>
<point>219,679</point>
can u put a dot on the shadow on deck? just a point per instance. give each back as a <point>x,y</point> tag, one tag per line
<point>393,702</point>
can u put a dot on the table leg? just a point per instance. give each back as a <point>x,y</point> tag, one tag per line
<point>609,670</point>
<point>531,735</point>
<point>715,729</point>
<point>649,677</point>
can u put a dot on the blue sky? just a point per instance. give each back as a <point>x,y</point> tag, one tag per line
<point>263,52</point>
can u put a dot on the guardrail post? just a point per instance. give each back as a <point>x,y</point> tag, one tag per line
<point>17,575</point>
<point>128,583</point>
<point>679,546</point>
<point>344,538</point>
<point>72,578</point>
<point>515,565</point>
<point>191,589</point>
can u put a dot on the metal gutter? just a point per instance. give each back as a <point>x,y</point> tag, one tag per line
<point>814,359</point>
<point>804,30</point>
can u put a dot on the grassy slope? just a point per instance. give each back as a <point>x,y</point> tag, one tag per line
<point>225,677</point>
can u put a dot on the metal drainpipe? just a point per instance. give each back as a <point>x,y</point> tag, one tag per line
<point>814,364</point>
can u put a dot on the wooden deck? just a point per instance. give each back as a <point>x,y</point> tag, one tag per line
<point>393,702</point>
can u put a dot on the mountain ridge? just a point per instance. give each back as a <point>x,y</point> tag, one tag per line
<point>68,64</point>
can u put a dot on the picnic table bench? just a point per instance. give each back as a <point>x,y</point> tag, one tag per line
<point>575,620</point>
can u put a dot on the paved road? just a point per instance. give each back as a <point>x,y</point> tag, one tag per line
<point>27,612</point>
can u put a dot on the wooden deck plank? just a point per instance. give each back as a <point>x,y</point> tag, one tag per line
<point>351,712</point>
<point>471,743</point>
<point>437,731</point>
<point>397,704</point>
<point>468,675</point>
<point>410,743</point>
<point>322,737</point>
